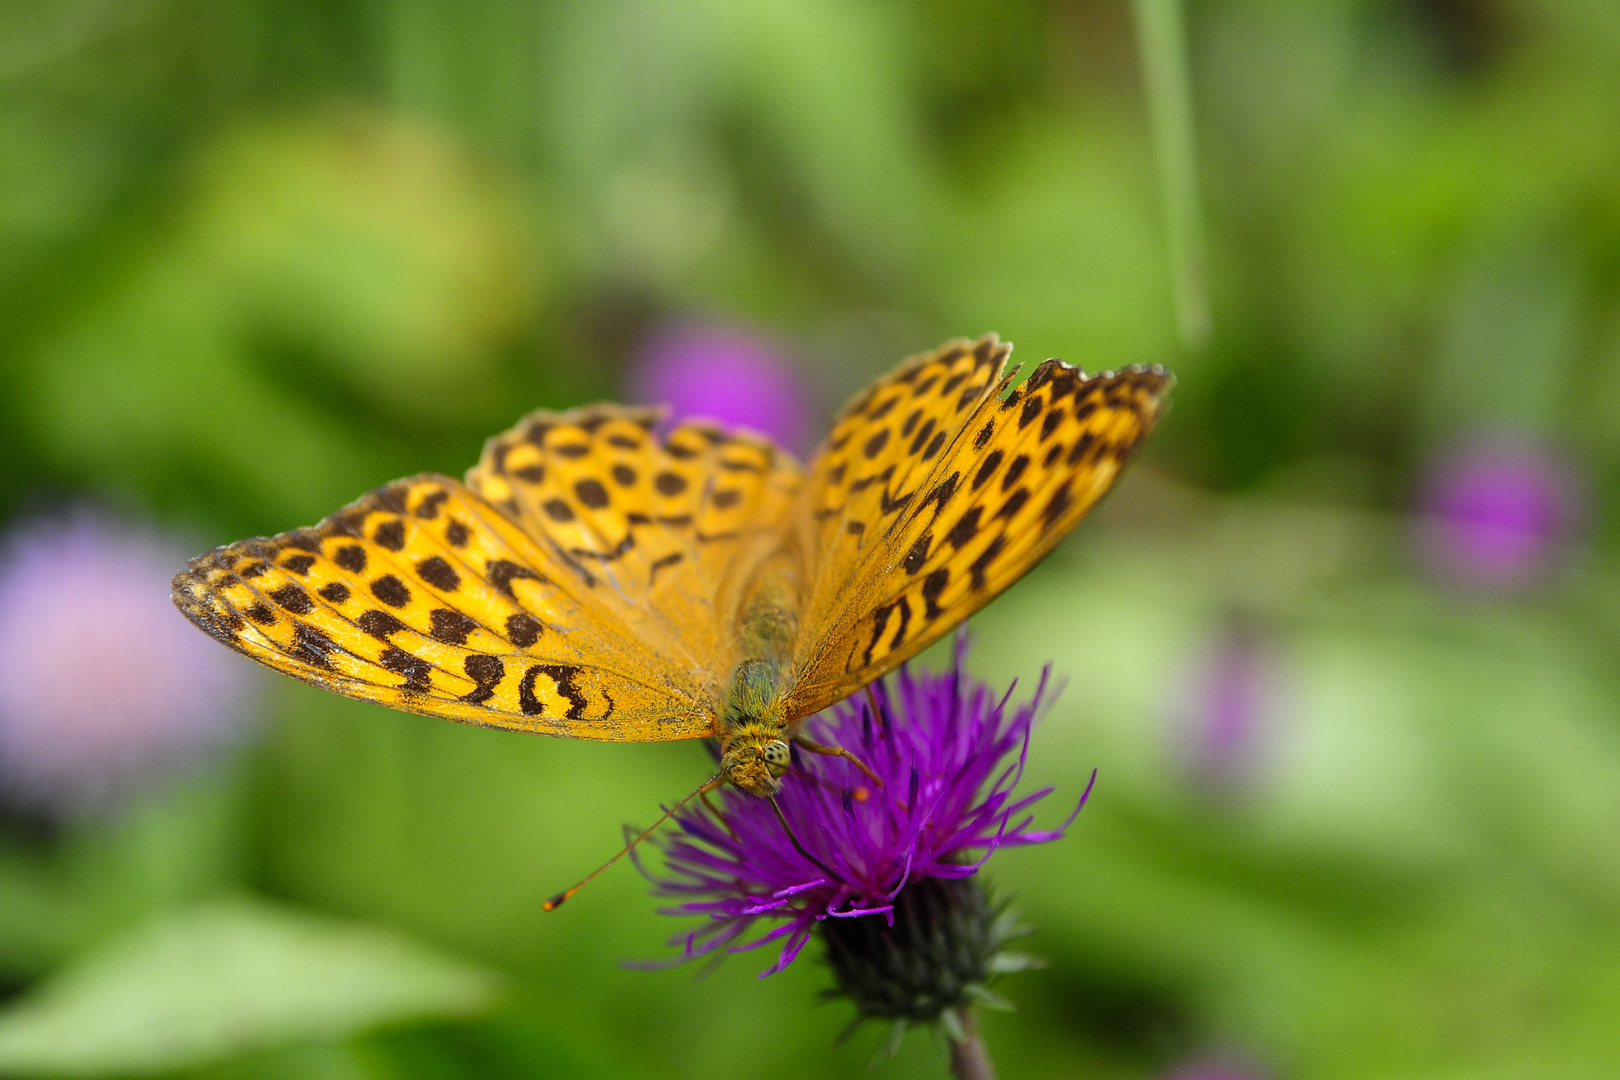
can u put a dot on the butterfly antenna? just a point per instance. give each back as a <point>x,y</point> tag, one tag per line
<point>557,901</point>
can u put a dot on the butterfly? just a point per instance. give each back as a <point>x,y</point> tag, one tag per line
<point>595,578</point>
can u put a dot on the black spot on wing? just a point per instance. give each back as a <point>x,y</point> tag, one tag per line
<point>351,557</point>
<point>298,564</point>
<point>428,508</point>
<point>502,572</point>
<point>391,591</point>
<point>981,565</point>
<point>1014,471</point>
<point>563,676</point>
<point>450,627</point>
<point>964,529</point>
<point>880,624</point>
<point>390,535</point>
<point>311,646</point>
<point>414,668</point>
<point>1032,407</point>
<point>487,672</point>
<point>335,592</point>
<point>380,624</point>
<point>662,564</point>
<point>438,573</point>
<point>523,629</point>
<point>1062,499</point>
<point>617,551</point>
<point>1015,502</point>
<point>918,555</point>
<point>921,438</point>
<point>933,586</point>
<point>943,492</point>
<point>292,598</point>
<point>987,469</point>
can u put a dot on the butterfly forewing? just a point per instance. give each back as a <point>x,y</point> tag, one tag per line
<point>661,535</point>
<point>877,459</point>
<point>1014,473</point>
<point>423,597</point>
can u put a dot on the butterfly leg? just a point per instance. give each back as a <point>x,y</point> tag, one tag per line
<point>806,743</point>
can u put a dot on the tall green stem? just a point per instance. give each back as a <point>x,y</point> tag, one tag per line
<point>1162,42</point>
<point>969,1059</point>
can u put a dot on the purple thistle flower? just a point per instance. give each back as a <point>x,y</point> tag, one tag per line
<point>726,374</point>
<point>950,753</point>
<point>1497,513</point>
<point>1214,1070</point>
<point>1228,706</point>
<point>103,684</point>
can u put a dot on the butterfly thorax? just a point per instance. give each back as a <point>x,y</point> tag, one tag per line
<point>753,725</point>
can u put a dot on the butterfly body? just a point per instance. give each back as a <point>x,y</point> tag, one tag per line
<point>597,578</point>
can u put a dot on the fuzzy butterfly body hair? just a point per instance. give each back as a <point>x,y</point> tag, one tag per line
<point>593,579</point>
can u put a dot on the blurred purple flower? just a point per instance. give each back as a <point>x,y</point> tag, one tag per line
<point>1212,1071</point>
<point>946,804</point>
<point>103,684</point>
<point>725,374</point>
<point>1228,706</point>
<point>1497,513</point>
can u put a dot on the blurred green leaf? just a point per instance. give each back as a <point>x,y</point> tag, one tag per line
<point>225,979</point>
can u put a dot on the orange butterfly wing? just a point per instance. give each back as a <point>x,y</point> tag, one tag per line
<point>941,486</point>
<point>575,587</point>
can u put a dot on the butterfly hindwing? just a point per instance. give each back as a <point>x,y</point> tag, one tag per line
<point>421,596</point>
<point>1016,470</point>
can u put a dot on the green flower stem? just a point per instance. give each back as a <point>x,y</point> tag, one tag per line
<point>969,1059</point>
<point>1162,43</point>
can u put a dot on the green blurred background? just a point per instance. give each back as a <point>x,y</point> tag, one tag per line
<point>1342,645</point>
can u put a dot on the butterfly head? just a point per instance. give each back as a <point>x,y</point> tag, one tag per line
<point>755,759</point>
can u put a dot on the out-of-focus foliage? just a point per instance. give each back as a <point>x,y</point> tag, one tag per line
<point>218,982</point>
<point>1356,808</point>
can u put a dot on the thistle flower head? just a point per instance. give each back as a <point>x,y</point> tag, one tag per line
<point>1498,513</point>
<point>103,685</point>
<point>949,752</point>
<point>727,374</point>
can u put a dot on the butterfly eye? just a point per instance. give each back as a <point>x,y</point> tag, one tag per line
<point>776,754</point>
